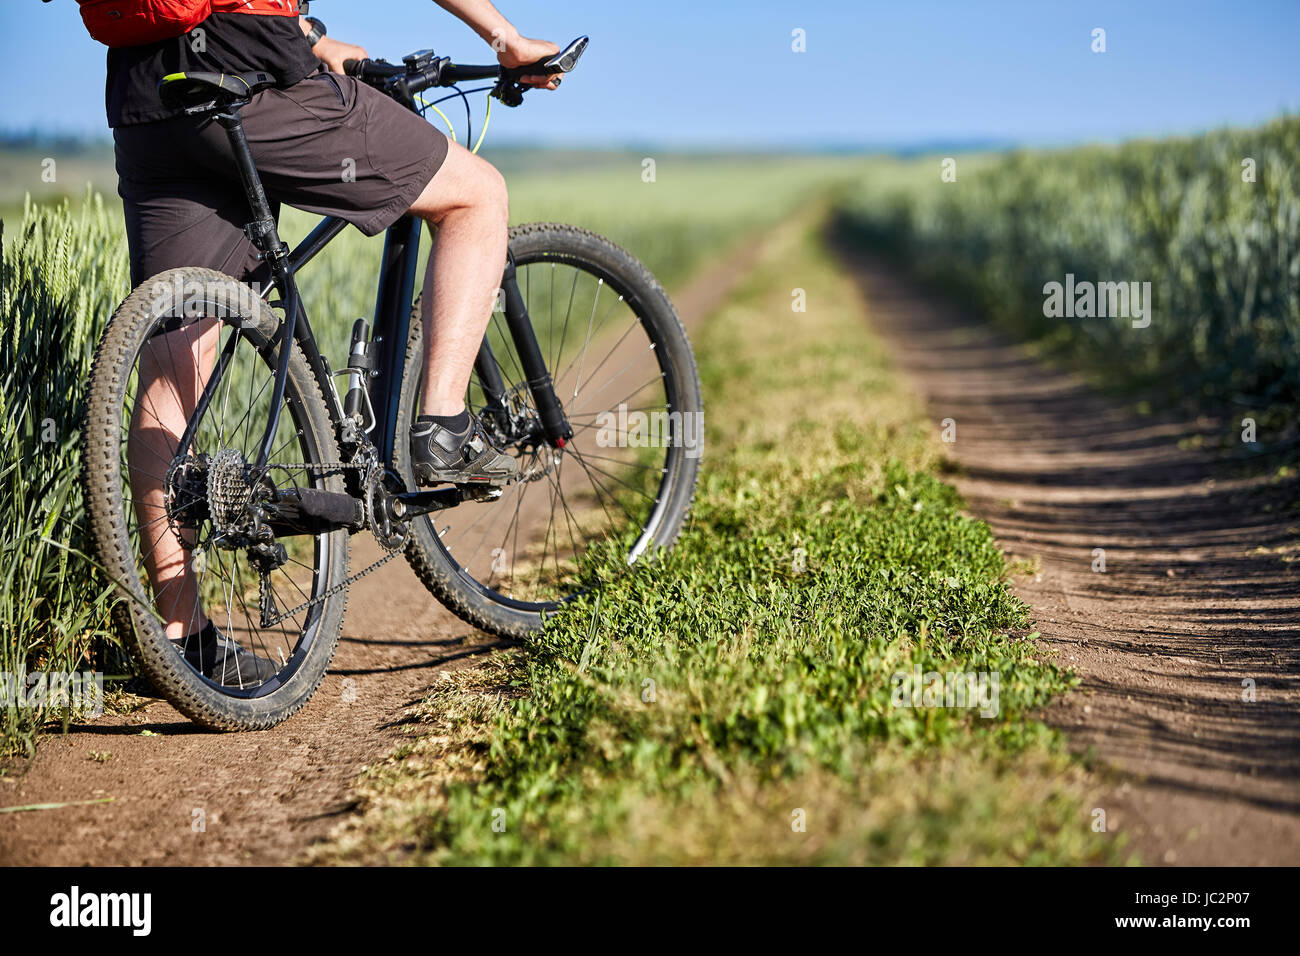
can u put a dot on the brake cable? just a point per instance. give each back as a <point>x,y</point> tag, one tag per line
<point>464,95</point>
<point>487,118</point>
<point>451,130</point>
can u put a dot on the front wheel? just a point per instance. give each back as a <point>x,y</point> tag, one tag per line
<point>620,489</point>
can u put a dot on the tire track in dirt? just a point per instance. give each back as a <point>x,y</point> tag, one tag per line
<point>1195,597</point>
<point>267,796</point>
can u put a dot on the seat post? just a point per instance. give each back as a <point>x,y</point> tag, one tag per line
<point>262,230</point>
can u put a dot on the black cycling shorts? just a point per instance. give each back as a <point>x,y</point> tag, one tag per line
<point>329,144</point>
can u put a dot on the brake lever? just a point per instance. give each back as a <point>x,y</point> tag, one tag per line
<point>509,91</point>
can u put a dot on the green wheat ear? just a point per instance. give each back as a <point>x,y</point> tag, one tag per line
<point>62,273</point>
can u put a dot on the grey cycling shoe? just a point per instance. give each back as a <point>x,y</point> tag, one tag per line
<point>439,455</point>
<point>220,659</point>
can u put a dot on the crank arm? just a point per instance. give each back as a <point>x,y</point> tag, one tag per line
<point>313,511</point>
<point>412,504</point>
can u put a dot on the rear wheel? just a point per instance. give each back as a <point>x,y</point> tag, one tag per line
<point>150,493</point>
<point>620,489</point>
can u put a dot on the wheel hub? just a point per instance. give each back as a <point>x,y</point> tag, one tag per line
<point>522,430</point>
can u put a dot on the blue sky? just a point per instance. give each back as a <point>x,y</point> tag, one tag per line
<point>703,74</point>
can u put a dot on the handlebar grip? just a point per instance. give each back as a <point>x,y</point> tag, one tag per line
<point>567,59</point>
<point>354,67</point>
<point>562,62</point>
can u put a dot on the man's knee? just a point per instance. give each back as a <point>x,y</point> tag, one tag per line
<point>464,183</point>
<point>496,195</point>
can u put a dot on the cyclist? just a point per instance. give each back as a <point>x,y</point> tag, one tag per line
<point>329,144</point>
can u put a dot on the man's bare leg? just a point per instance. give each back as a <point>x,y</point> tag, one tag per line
<point>173,370</point>
<point>468,203</point>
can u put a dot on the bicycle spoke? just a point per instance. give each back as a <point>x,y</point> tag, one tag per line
<point>563,375</point>
<point>198,571</point>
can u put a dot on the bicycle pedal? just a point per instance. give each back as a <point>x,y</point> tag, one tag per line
<point>481,492</point>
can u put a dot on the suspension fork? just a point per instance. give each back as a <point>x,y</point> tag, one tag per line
<point>556,427</point>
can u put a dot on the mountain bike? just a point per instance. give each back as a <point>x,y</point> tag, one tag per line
<point>585,375</point>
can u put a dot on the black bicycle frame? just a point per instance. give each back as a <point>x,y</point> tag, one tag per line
<point>389,330</point>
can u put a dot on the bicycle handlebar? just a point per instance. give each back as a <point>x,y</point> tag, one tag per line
<point>366,69</point>
<point>422,70</point>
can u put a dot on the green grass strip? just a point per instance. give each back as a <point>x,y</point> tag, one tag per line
<point>734,702</point>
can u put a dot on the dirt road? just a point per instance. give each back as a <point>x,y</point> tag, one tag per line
<point>1197,600</point>
<point>181,796</point>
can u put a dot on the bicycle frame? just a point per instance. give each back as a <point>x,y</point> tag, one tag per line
<point>389,332</point>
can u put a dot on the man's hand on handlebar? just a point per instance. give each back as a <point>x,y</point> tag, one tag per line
<point>333,52</point>
<point>422,70</point>
<point>522,51</point>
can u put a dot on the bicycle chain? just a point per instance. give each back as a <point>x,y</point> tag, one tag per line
<point>266,602</point>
